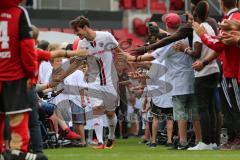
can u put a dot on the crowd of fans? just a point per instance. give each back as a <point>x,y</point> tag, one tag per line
<point>181,87</point>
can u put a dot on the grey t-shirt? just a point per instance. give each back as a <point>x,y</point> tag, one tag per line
<point>180,73</point>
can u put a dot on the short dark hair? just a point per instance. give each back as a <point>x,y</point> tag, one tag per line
<point>229,4</point>
<point>201,10</point>
<point>80,22</point>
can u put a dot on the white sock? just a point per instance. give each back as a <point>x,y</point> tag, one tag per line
<point>90,135</point>
<point>112,126</point>
<point>98,127</point>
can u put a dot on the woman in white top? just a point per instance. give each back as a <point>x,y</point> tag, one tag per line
<point>206,81</point>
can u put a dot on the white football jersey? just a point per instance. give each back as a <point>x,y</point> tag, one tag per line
<point>101,69</point>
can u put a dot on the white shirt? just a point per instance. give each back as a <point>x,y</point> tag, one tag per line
<point>45,72</point>
<point>100,65</point>
<point>180,73</point>
<point>211,67</point>
<point>164,98</point>
<point>73,84</point>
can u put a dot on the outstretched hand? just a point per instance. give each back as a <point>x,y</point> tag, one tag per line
<point>227,25</point>
<point>230,38</point>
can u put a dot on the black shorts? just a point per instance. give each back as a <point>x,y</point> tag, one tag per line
<point>158,111</point>
<point>14,97</point>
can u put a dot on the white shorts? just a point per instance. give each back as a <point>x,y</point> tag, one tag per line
<point>95,121</point>
<point>105,96</point>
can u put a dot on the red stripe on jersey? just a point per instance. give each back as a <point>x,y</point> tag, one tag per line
<point>100,72</point>
<point>103,72</point>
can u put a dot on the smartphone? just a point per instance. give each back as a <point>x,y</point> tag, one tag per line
<point>184,18</point>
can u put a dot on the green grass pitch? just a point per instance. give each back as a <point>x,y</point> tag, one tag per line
<point>130,150</point>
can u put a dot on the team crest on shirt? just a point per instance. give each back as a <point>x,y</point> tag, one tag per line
<point>101,44</point>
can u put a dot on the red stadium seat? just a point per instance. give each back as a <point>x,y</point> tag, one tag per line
<point>162,6</point>
<point>68,30</point>
<point>139,27</point>
<point>140,4</point>
<point>158,6</point>
<point>126,4</point>
<point>142,30</point>
<point>137,22</point>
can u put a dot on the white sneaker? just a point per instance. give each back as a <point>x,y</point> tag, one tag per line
<point>201,146</point>
<point>194,148</point>
<point>214,146</point>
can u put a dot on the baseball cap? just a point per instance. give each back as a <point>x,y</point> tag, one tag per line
<point>172,20</point>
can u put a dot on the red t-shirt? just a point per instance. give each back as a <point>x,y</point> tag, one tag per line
<point>15,29</point>
<point>230,54</point>
<point>41,56</point>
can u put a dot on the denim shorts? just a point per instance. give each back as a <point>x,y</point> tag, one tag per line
<point>184,108</point>
<point>78,114</point>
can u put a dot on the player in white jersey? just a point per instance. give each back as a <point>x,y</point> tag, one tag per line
<point>102,75</point>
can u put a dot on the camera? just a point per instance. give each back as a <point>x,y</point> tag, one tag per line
<point>184,18</point>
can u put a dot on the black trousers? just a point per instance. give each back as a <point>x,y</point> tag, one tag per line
<point>34,123</point>
<point>204,92</point>
<point>229,95</point>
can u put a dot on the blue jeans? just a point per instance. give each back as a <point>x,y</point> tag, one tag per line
<point>34,124</point>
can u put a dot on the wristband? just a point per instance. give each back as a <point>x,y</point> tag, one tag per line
<point>205,62</point>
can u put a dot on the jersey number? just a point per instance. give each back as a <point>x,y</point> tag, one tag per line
<point>4,35</point>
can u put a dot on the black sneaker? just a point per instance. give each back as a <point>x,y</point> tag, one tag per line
<point>18,155</point>
<point>181,147</point>
<point>144,141</point>
<point>169,145</point>
<point>109,144</point>
<point>153,145</point>
<point>148,143</point>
